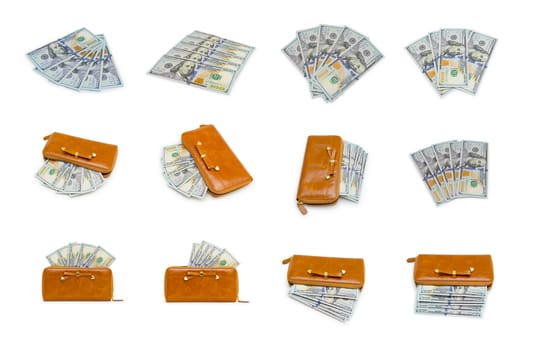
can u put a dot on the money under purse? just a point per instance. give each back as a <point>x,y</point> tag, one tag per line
<point>325,271</point>
<point>453,270</point>
<point>88,154</point>
<point>219,167</point>
<point>61,283</point>
<point>210,284</point>
<point>320,173</point>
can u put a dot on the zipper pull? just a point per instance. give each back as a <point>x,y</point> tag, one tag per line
<point>411,260</point>
<point>301,207</point>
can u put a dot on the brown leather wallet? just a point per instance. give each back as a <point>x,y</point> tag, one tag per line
<point>325,271</point>
<point>62,283</point>
<point>89,154</point>
<point>185,283</point>
<point>218,165</point>
<point>453,270</point>
<point>320,173</point>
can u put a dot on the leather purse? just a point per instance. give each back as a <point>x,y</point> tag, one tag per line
<point>221,170</point>
<point>210,284</point>
<point>320,173</point>
<point>62,283</point>
<point>89,154</point>
<point>453,270</point>
<point>325,271</point>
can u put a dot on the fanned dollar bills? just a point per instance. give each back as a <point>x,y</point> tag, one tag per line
<point>454,169</point>
<point>69,179</point>
<point>331,58</point>
<point>181,172</point>
<point>337,303</point>
<point>206,254</point>
<point>80,255</point>
<point>451,300</point>
<point>204,60</point>
<point>352,171</point>
<point>80,60</point>
<point>453,58</point>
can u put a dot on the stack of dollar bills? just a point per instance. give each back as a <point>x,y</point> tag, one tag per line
<point>337,303</point>
<point>454,169</point>
<point>204,60</point>
<point>353,165</point>
<point>331,58</point>
<point>80,60</point>
<point>80,255</point>
<point>207,254</point>
<point>67,178</point>
<point>453,59</point>
<point>451,300</point>
<point>181,172</point>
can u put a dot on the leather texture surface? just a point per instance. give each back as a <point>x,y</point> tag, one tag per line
<point>220,168</point>
<point>61,283</point>
<point>210,284</point>
<point>451,270</point>
<point>326,271</point>
<point>94,155</point>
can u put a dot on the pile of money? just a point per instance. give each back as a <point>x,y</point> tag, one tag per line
<point>451,300</point>
<point>80,255</point>
<point>352,171</point>
<point>337,303</point>
<point>181,172</point>
<point>67,178</point>
<point>454,169</point>
<point>331,58</point>
<point>204,60</point>
<point>208,255</point>
<point>80,60</point>
<point>453,58</point>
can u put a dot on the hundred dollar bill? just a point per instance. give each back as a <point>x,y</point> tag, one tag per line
<point>91,80</point>
<point>345,40</point>
<point>452,62</point>
<point>293,52</point>
<point>328,36</point>
<point>453,310</point>
<point>225,259</point>
<point>58,71</point>
<point>474,169</point>
<point>190,72</point>
<point>74,181</point>
<point>74,253</point>
<point>479,49</point>
<point>308,43</point>
<point>428,178</point>
<point>433,166</point>
<point>223,48</point>
<point>58,50</point>
<point>205,51</point>
<point>357,60</point>
<point>422,52</point>
<point>434,38</point>
<point>177,174</point>
<point>452,291</point>
<point>101,257</point>
<point>48,173</point>
<point>74,78</point>
<point>175,154</point>
<point>335,302</point>
<point>197,57</point>
<point>212,37</point>
<point>109,76</point>
<point>87,251</point>
<point>199,188</point>
<point>345,170</point>
<point>445,164</point>
<point>55,259</point>
<point>456,148</point>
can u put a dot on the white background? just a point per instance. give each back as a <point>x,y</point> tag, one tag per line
<point>391,112</point>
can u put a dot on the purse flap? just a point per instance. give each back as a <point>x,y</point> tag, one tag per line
<point>325,271</point>
<point>320,173</point>
<point>185,283</point>
<point>62,283</point>
<point>451,270</point>
<point>218,165</point>
<point>89,154</point>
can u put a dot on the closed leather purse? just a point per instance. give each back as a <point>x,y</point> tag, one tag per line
<point>325,271</point>
<point>94,155</point>
<point>201,284</point>
<point>453,270</point>
<point>320,173</point>
<point>61,283</point>
<point>221,170</point>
